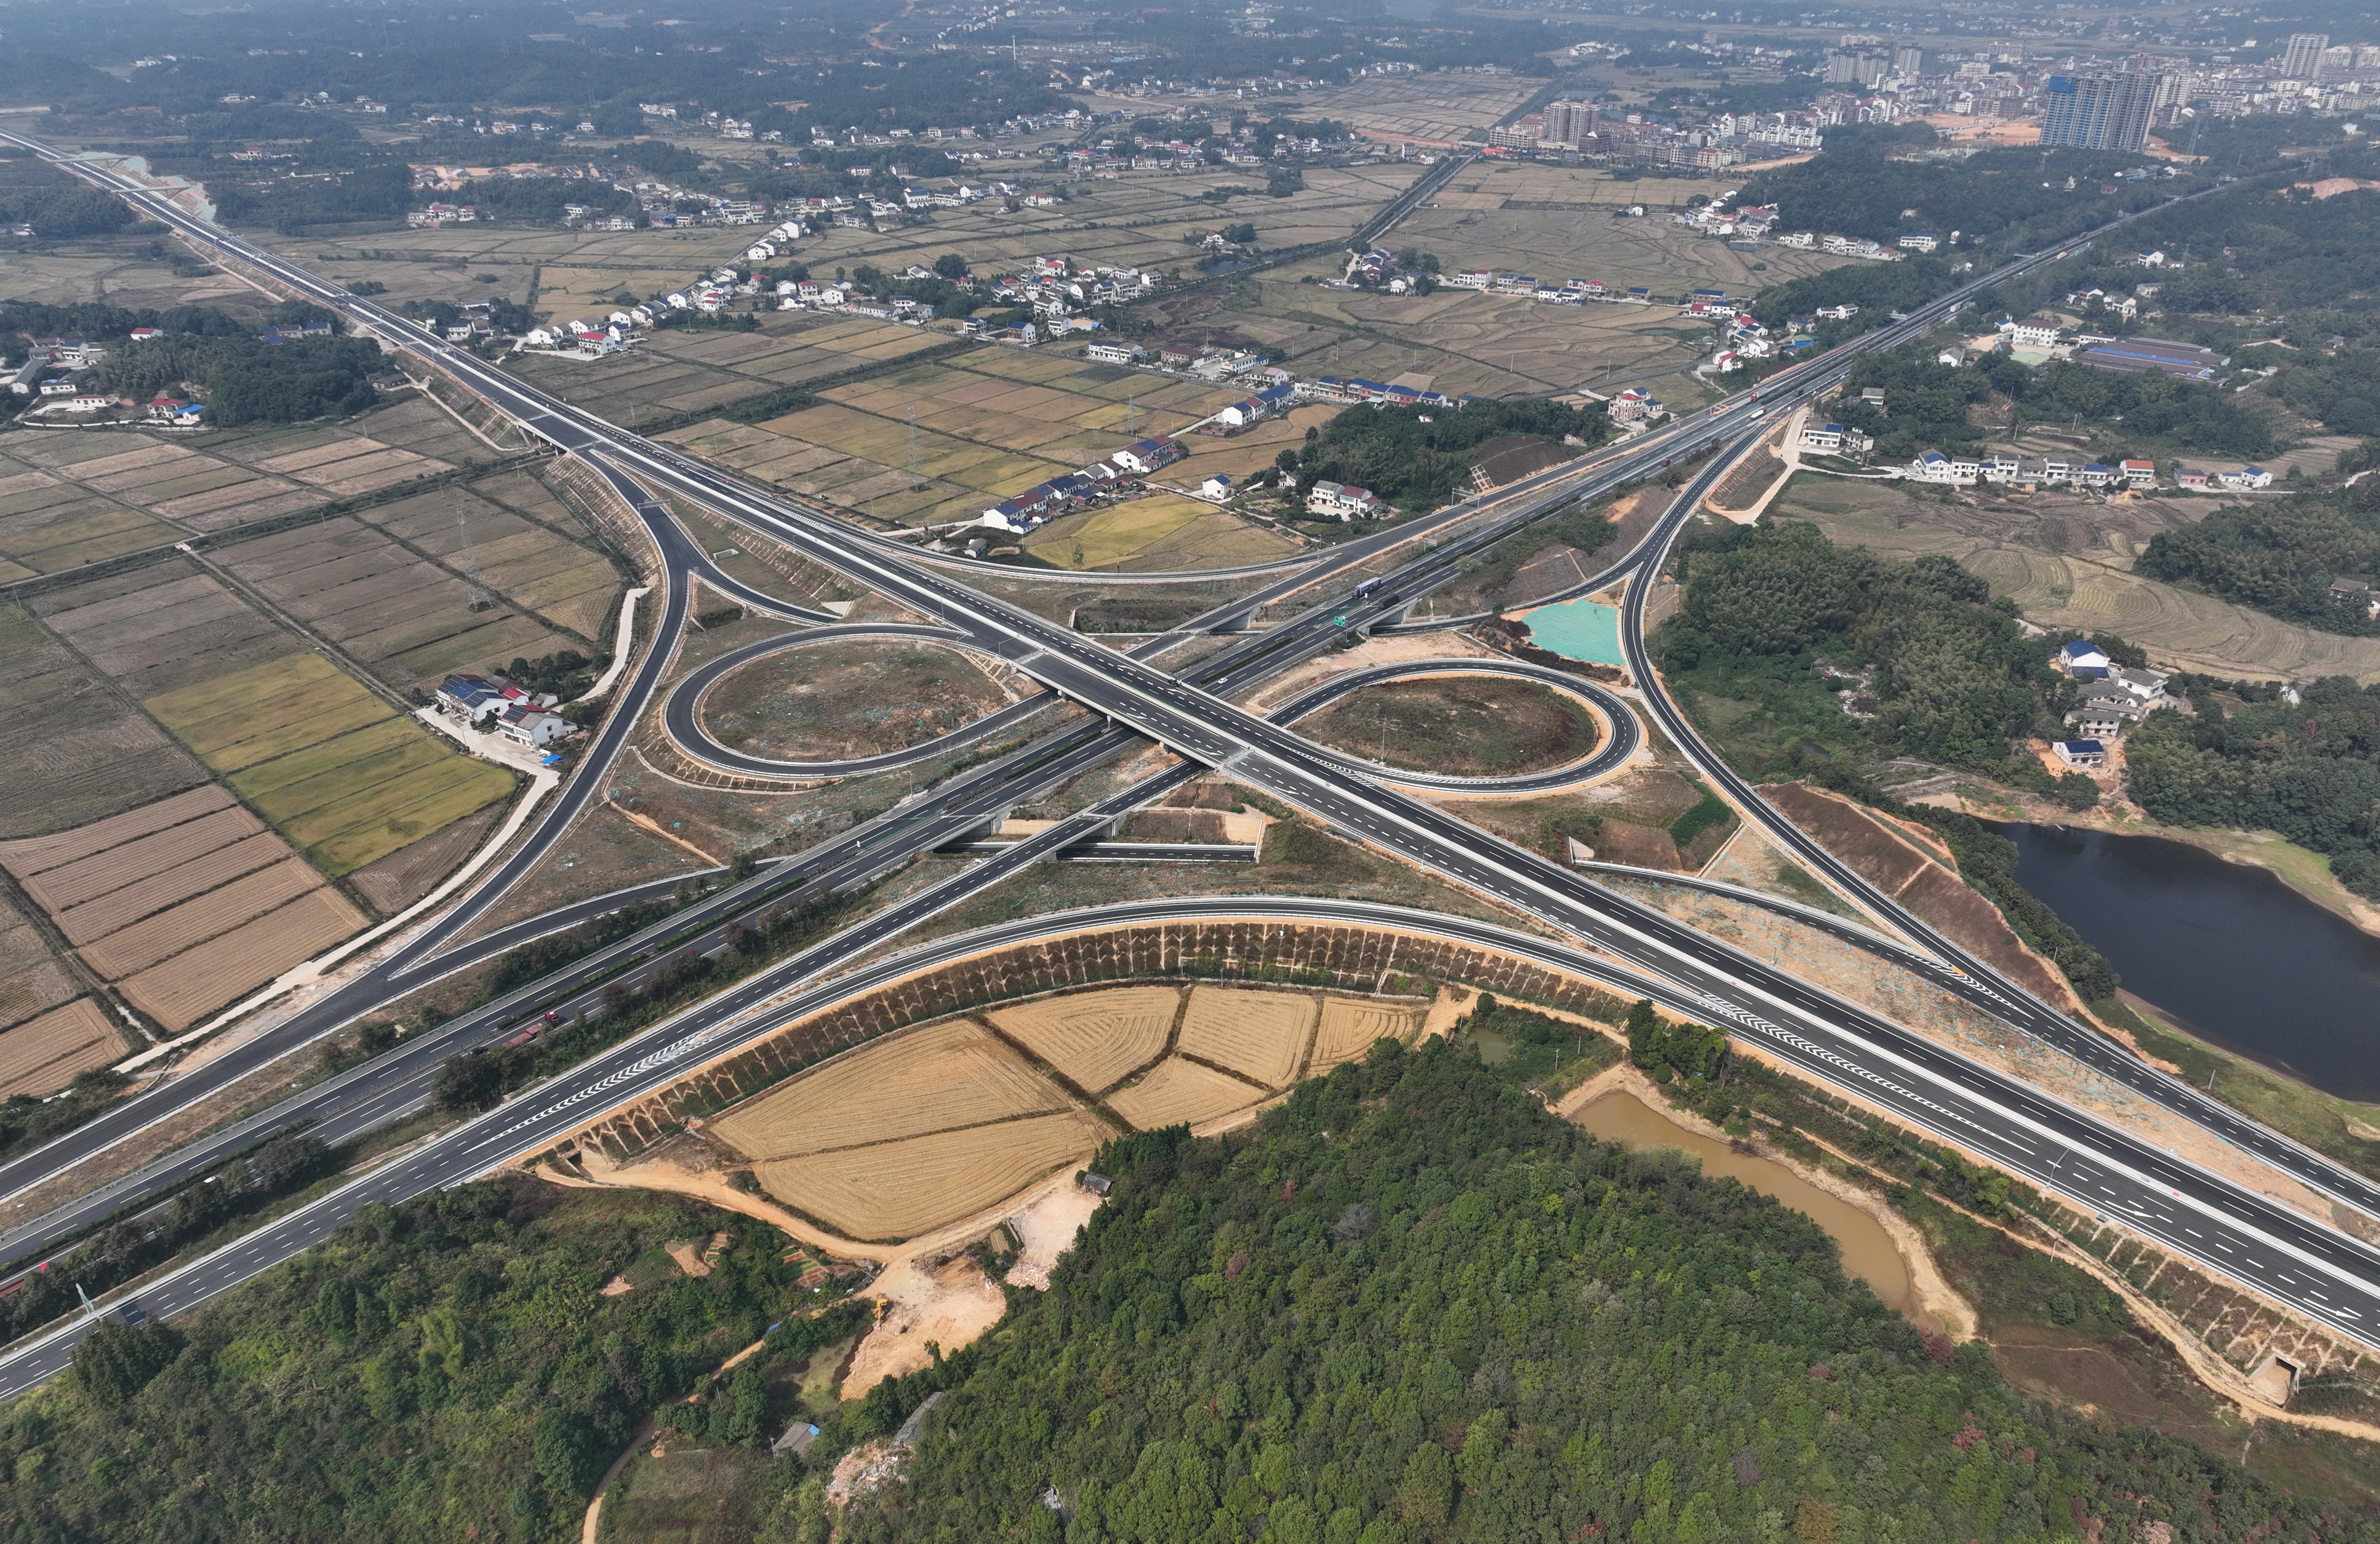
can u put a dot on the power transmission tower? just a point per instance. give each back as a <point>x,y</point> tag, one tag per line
<point>475,584</point>
<point>1132,418</point>
<point>917,474</point>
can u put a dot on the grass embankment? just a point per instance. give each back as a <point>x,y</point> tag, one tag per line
<point>1463,726</point>
<point>2320,1121</point>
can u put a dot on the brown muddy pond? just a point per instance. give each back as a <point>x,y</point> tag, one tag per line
<point>1867,1250</point>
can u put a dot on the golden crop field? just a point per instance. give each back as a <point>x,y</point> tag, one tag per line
<point>38,854</point>
<point>1180,1092</point>
<point>44,1055</point>
<point>898,1189</point>
<point>32,979</point>
<point>952,1074</point>
<point>1096,1039</point>
<point>83,879</point>
<point>195,982</point>
<point>136,945</point>
<point>1261,1035</point>
<point>1347,1029</point>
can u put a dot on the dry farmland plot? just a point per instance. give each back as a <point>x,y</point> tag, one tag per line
<point>556,576</point>
<point>186,988</point>
<point>944,1076</point>
<point>1348,1028</point>
<point>1260,1035</point>
<point>120,908</point>
<point>34,854</point>
<point>196,491</point>
<point>390,606</point>
<point>191,898</point>
<point>1442,107</point>
<point>145,943</point>
<point>74,750</point>
<point>898,1189</point>
<point>44,1055</point>
<point>1181,1092</point>
<point>31,979</point>
<point>1159,533</point>
<point>161,627</point>
<point>1095,1039</point>
<point>69,884</point>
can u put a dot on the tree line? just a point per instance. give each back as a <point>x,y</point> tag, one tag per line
<point>1415,457</point>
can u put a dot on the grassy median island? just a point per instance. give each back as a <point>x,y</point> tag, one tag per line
<point>1461,726</point>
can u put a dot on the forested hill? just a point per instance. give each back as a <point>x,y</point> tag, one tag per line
<point>1411,1306</point>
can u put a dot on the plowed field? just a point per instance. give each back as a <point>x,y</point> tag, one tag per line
<point>1182,1093</point>
<point>935,1078</point>
<point>897,1190</point>
<point>1347,1029</point>
<point>44,1056</point>
<point>186,988</point>
<point>1260,1035</point>
<point>1096,1039</point>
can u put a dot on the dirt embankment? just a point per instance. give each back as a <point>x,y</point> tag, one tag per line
<point>1908,863</point>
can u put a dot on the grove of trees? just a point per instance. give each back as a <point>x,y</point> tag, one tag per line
<point>1412,1305</point>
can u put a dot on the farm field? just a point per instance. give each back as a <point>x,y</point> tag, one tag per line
<point>1260,1035</point>
<point>847,698</point>
<point>1095,1039</point>
<point>1140,219</point>
<point>32,981</point>
<point>66,499</point>
<point>76,750</point>
<point>1182,1093</point>
<point>897,1190</point>
<point>1159,533</point>
<point>1348,1027</point>
<point>676,370</point>
<point>44,1055</point>
<point>937,1078</point>
<point>388,587</point>
<point>337,770</point>
<point>1445,108</point>
<point>2066,564</point>
<point>987,424</point>
<point>185,903</point>
<point>931,1124</point>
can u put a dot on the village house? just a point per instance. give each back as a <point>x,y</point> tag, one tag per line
<point>1348,503</point>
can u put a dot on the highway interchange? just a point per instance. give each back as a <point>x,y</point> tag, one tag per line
<point>1635,947</point>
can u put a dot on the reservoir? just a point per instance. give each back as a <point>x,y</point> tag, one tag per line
<point>1577,630</point>
<point>2225,949</point>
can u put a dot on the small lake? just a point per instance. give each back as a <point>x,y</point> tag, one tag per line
<point>1577,630</point>
<point>2225,949</point>
<point>1869,1252</point>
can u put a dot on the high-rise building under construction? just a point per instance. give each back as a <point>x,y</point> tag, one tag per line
<point>2101,112</point>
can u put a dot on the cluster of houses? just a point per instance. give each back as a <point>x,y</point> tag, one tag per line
<point>1571,291</point>
<point>1037,505</point>
<point>2115,698</point>
<point>1355,392</point>
<point>494,704</point>
<point>1962,470</point>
